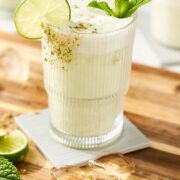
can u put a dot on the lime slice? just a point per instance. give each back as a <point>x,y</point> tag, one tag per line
<point>2,134</point>
<point>14,146</point>
<point>30,14</point>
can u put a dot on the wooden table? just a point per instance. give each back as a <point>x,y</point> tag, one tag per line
<point>152,104</point>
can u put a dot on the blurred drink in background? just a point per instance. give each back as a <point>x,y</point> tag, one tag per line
<point>166,22</point>
<point>8,5</point>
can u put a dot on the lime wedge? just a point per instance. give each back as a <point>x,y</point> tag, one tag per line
<point>2,134</point>
<point>14,146</point>
<point>30,14</point>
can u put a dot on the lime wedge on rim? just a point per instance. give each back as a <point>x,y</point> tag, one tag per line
<point>30,14</point>
<point>14,146</point>
<point>2,134</point>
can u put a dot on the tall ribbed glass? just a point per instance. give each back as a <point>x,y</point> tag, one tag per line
<point>86,77</point>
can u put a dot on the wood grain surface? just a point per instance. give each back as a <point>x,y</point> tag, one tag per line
<point>152,104</point>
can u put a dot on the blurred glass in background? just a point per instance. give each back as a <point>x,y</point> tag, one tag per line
<point>158,35</point>
<point>166,22</point>
<point>7,8</point>
<point>8,5</point>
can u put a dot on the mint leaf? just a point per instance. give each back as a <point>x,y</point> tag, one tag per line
<point>138,4</point>
<point>102,5</point>
<point>123,8</point>
<point>132,3</point>
<point>118,4</point>
<point>7,170</point>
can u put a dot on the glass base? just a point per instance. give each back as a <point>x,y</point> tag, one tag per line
<point>91,142</point>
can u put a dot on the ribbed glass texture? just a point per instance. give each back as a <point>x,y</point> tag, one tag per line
<point>86,96</point>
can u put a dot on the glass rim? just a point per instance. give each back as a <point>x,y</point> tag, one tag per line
<point>134,18</point>
<point>174,2</point>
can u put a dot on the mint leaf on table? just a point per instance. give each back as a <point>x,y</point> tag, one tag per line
<point>123,8</point>
<point>101,5</point>
<point>7,170</point>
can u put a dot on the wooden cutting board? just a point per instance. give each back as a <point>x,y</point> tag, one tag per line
<point>152,104</point>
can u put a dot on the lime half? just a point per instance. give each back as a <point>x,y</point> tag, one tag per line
<point>2,134</point>
<point>30,14</point>
<point>14,146</point>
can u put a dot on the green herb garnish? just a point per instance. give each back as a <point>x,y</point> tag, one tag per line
<point>7,170</point>
<point>123,8</point>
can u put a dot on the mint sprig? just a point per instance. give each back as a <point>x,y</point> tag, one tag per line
<point>123,8</point>
<point>102,5</point>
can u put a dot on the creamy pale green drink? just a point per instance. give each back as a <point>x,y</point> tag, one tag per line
<point>87,84</point>
<point>87,49</point>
